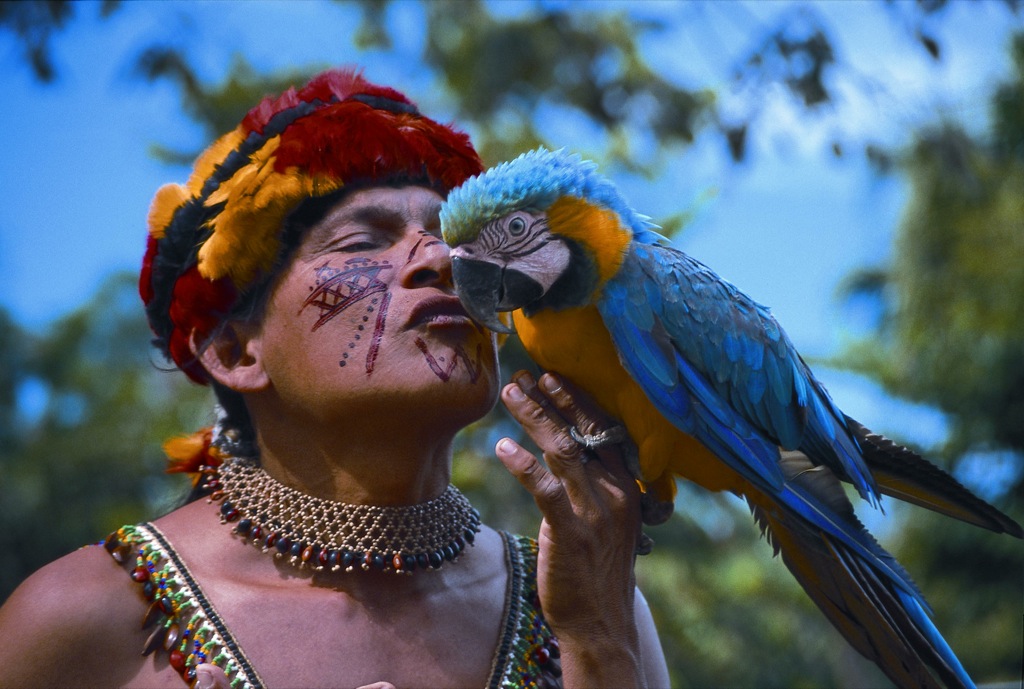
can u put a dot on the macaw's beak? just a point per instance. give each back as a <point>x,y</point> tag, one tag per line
<point>486,288</point>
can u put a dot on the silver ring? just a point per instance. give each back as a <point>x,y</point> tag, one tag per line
<point>610,436</point>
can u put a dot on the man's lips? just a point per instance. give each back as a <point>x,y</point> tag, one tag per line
<point>440,309</point>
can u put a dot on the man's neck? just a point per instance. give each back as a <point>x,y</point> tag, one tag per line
<point>373,466</point>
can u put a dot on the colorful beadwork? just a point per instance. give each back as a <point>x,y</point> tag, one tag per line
<point>184,622</point>
<point>189,629</point>
<point>528,656</point>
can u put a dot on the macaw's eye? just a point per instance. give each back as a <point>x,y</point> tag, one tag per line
<point>516,227</point>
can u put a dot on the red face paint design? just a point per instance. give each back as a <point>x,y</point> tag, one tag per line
<point>337,289</point>
<point>458,353</point>
<point>430,240</point>
<point>378,333</point>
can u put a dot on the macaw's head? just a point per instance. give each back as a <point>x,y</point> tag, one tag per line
<point>541,231</point>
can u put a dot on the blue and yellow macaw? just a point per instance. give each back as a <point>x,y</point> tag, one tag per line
<point>709,387</point>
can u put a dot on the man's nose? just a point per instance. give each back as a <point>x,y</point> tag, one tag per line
<point>429,263</point>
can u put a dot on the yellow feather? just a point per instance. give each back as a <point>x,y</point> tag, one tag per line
<point>245,177</point>
<point>257,200</point>
<point>238,245</point>
<point>212,157</point>
<point>597,229</point>
<point>185,447</point>
<point>552,339</point>
<point>167,200</point>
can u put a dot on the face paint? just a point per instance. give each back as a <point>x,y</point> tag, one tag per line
<point>337,289</point>
<point>445,373</point>
<point>342,321</point>
<point>430,239</point>
<point>378,333</point>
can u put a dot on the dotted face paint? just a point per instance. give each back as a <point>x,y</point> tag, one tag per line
<point>338,289</point>
<point>335,290</point>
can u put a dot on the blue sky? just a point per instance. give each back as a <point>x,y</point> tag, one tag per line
<point>786,228</point>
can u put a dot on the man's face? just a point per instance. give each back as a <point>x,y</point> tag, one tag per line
<point>364,315</point>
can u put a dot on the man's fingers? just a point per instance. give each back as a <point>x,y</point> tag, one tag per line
<point>585,420</point>
<point>210,676</point>
<point>545,488</point>
<point>543,423</point>
<point>559,424</point>
<point>588,420</point>
<point>529,387</point>
<point>563,455</point>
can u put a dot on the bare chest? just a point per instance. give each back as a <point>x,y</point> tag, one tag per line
<point>332,640</point>
<point>280,626</point>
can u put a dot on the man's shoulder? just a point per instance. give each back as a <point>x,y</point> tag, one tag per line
<point>82,606</point>
<point>77,585</point>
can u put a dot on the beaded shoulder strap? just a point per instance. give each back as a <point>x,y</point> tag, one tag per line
<point>184,622</point>
<point>527,653</point>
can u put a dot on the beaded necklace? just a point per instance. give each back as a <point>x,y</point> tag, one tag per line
<point>328,535</point>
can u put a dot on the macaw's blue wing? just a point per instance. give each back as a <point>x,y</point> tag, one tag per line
<point>885,622</point>
<point>718,366</point>
<point>730,352</point>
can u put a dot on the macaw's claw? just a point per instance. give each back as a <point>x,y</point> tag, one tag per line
<point>653,511</point>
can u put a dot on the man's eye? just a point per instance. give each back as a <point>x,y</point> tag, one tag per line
<point>359,246</point>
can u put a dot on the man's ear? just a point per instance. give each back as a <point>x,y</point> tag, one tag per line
<point>233,357</point>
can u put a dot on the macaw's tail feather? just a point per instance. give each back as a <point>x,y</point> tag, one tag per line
<point>907,476</point>
<point>880,618</point>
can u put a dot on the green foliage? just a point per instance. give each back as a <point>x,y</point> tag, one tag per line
<point>14,347</point>
<point>89,458</point>
<point>950,332</point>
<point>218,108</point>
<point>588,63</point>
<point>1008,109</point>
<point>502,72</point>
<point>33,23</point>
<point>971,575</point>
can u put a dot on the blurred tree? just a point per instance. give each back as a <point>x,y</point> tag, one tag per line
<point>951,334</point>
<point>218,108</point>
<point>729,615</point>
<point>950,331</point>
<point>88,457</point>
<point>33,23</point>
<point>502,68</point>
<point>15,344</point>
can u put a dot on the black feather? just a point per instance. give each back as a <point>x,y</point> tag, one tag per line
<point>903,474</point>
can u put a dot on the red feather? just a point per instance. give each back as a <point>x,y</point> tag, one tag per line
<point>189,454</point>
<point>146,274</point>
<point>353,141</point>
<point>257,118</point>
<point>197,307</point>
<point>335,84</point>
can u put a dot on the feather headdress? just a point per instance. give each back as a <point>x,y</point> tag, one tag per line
<point>212,238</point>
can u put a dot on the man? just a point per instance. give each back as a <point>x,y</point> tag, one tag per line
<point>300,273</point>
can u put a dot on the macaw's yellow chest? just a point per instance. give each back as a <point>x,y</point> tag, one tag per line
<point>575,344</point>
